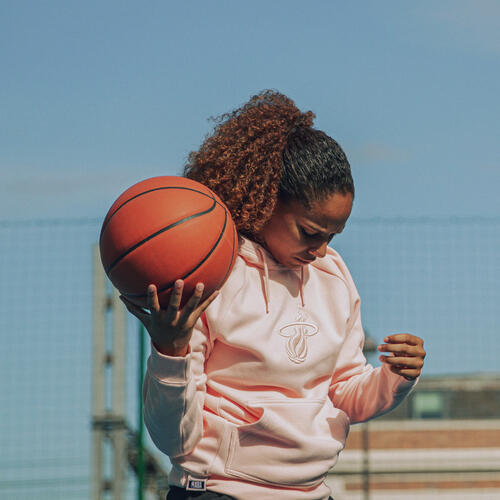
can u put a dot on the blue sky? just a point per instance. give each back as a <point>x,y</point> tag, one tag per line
<point>97,95</point>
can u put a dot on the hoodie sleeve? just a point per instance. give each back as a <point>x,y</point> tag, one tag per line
<point>173,394</point>
<point>357,388</point>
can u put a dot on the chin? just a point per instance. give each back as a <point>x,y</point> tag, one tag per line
<point>287,262</point>
<point>294,264</point>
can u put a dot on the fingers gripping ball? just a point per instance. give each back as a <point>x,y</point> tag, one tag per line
<point>163,229</point>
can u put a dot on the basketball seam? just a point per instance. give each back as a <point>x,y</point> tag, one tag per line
<point>232,257</point>
<point>106,222</point>
<point>162,230</point>
<point>170,285</point>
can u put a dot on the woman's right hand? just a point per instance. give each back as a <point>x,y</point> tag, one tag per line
<point>171,329</point>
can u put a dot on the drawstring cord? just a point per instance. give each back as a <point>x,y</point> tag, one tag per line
<point>265,280</point>
<point>300,286</point>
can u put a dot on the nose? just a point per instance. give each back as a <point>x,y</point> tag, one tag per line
<point>319,251</point>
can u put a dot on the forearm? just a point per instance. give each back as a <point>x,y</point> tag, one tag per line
<point>370,393</point>
<point>172,404</point>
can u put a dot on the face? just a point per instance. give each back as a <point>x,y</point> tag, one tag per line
<point>295,235</point>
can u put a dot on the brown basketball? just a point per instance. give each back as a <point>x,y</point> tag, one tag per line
<point>165,228</point>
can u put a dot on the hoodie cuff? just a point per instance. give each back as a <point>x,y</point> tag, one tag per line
<point>400,385</point>
<point>172,370</point>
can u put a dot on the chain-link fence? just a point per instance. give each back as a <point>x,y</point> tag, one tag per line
<point>437,278</point>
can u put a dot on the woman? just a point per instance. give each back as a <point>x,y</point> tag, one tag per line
<point>251,392</point>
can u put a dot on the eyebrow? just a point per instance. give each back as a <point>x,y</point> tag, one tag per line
<point>320,229</point>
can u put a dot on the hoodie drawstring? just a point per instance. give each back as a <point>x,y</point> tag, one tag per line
<point>300,286</point>
<point>265,280</point>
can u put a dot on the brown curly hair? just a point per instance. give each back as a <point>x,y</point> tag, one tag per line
<point>253,148</point>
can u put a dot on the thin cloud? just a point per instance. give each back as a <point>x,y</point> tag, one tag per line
<point>33,193</point>
<point>31,182</point>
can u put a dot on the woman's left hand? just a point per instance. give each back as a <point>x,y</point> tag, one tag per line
<point>406,354</point>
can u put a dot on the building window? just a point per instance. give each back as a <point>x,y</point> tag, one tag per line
<point>427,405</point>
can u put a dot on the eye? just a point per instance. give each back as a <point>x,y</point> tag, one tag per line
<point>308,233</point>
<point>315,235</point>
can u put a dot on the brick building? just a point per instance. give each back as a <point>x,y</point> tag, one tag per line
<point>442,442</point>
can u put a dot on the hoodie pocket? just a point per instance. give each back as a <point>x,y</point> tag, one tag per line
<point>294,443</point>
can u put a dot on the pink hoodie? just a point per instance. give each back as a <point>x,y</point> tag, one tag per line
<point>261,405</point>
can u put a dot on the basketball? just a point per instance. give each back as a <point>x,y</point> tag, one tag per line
<point>163,229</point>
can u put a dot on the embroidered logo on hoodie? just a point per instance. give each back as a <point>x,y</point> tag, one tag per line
<point>297,333</point>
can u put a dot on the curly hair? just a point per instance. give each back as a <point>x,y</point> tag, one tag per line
<point>262,152</point>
